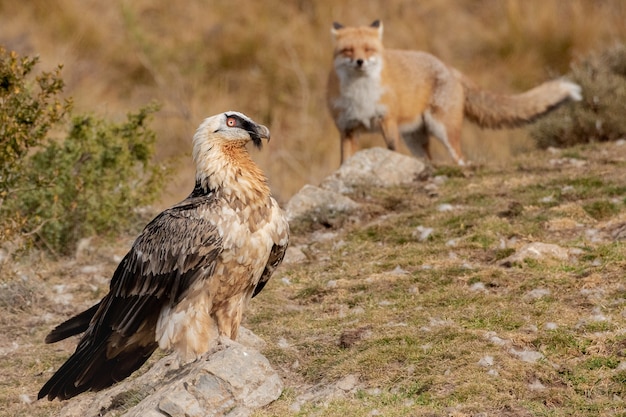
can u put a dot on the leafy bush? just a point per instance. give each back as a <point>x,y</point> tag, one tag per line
<point>90,182</point>
<point>600,115</point>
<point>28,110</point>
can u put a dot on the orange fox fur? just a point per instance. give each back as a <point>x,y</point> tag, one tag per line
<point>413,95</point>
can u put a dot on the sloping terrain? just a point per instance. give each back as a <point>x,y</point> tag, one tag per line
<point>499,291</point>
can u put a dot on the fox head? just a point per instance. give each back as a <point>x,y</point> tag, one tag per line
<point>358,49</point>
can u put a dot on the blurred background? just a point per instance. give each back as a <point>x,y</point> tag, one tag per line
<point>270,59</point>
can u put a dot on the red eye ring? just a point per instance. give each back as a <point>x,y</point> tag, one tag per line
<point>231,122</point>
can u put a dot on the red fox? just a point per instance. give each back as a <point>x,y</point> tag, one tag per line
<point>414,95</point>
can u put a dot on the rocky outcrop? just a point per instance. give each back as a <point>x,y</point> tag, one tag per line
<point>374,167</point>
<point>233,380</point>
<point>317,205</point>
<point>329,203</point>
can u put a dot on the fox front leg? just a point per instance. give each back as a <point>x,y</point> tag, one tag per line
<point>348,144</point>
<point>391,133</point>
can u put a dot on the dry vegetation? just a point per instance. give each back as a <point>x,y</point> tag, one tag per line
<point>270,59</point>
<point>413,337</point>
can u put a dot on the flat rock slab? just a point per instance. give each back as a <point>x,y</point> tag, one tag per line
<point>374,167</point>
<point>232,381</point>
<point>318,205</point>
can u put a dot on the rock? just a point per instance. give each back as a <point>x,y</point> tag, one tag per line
<point>294,255</point>
<point>614,228</point>
<point>422,233</point>
<point>232,381</point>
<point>538,251</point>
<point>526,355</point>
<point>575,162</point>
<point>538,293</point>
<point>348,383</point>
<point>478,287</point>
<point>486,361</point>
<point>327,204</point>
<point>318,205</point>
<point>377,167</point>
<point>618,232</point>
<point>536,385</point>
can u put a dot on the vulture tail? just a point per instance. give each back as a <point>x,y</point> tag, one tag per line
<point>76,325</point>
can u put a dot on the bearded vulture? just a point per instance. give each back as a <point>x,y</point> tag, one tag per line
<point>190,274</point>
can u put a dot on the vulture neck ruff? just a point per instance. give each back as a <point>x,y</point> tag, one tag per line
<point>225,166</point>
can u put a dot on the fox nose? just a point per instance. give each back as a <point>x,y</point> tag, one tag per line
<point>359,62</point>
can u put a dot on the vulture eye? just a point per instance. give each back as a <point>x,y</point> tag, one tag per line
<point>231,122</point>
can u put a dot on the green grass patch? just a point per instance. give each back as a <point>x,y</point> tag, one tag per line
<point>601,209</point>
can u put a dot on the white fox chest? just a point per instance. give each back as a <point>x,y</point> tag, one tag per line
<point>359,104</point>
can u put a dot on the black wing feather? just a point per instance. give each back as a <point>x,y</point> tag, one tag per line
<point>276,257</point>
<point>174,250</point>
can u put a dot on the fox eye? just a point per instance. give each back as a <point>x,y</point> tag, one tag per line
<point>231,122</point>
<point>347,51</point>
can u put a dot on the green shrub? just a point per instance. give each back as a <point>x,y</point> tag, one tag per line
<point>54,192</point>
<point>599,117</point>
<point>92,182</point>
<point>29,109</point>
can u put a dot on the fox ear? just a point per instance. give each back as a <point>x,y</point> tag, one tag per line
<point>378,25</point>
<point>336,27</point>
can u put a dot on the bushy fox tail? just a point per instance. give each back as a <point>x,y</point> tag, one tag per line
<point>495,111</point>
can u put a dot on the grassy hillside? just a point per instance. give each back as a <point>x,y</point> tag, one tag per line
<point>424,312</point>
<point>270,60</point>
<point>413,311</point>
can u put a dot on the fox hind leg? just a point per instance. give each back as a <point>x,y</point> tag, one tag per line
<point>448,131</point>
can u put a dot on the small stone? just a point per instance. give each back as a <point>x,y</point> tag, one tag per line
<point>538,293</point>
<point>348,383</point>
<point>452,243</point>
<point>486,361</point>
<point>422,233</point>
<point>25,398</point>
<point>478,287</point>
<point>293,255</point>
<point>536,385</point>
<point>399,271</point>
<point>526,355</point>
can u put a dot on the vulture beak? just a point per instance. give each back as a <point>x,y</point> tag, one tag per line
<point>258,133</point>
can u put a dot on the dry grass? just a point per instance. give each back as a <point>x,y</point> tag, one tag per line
<point>270,59</point>
<point>425,327</point>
